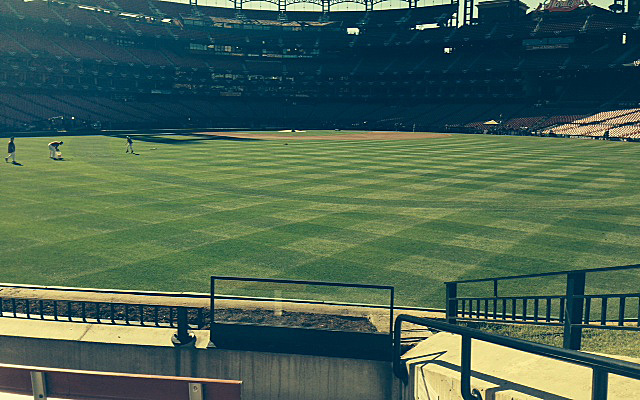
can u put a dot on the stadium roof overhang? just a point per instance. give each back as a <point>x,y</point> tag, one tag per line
<point>390,17</point>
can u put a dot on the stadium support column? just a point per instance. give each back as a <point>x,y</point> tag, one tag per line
<point>619,6</point>
<point>368,5</point>
<point>326,7</point>
<point>193,2</point>
<point>467,12</point>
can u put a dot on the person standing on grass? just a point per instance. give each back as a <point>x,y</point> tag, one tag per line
<point>11,151</point>
<point>129,145</point>
<point>54,149</point>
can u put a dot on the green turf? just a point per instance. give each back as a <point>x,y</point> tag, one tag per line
<point>593,340</point>
<point>412,214</point>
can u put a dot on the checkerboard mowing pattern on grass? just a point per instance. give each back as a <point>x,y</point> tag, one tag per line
<point>410,213</point>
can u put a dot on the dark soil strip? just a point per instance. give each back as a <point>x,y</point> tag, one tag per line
<point>295,319</point>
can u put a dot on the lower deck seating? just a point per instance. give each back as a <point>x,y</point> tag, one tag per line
<point>622,123</point>
<point>19,111</point>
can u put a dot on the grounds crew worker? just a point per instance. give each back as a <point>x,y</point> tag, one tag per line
<point>11,151</point>
<point>129,145</point>
<point>53,149</point>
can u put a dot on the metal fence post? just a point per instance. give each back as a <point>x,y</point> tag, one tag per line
<point>183,337</point>
<point>465,371</point>
<point>39,385</point>
<point>451,302</point>
<point>574,307</point>
<point>212,311</point>
<point>600,384</point>
<point>399,368</point>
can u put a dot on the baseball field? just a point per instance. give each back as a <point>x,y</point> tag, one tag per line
<point>408,210</point>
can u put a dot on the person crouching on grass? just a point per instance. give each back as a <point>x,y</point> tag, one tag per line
<point>54,152</point>
<point>11,151</point>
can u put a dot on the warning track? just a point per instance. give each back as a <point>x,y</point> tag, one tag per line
<point>337,136</point>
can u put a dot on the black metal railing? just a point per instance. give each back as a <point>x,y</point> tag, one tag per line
<point>66,289</point>
<point>149,315</point>
<point>389,289</point>
<point>601,366</point>
<point>137,313</point>
<point>574,310</point>
<point>335,336</point>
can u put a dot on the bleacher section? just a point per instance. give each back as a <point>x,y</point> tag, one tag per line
<point>146,63</point>
<point>613,124</point>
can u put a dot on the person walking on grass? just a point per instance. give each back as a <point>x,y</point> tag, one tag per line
<point>129,145</point>
<point>54,151</point>
<point>11,151</point>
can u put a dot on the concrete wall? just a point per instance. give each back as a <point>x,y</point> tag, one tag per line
<point>265,376</point>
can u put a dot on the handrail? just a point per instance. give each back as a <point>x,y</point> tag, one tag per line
<point>553,296</point>
<point>573,308</point>
<point>504,278</point>
<point>196,295</point>
<point>105,291</point>
<point>601,365</point>
<point>214,296</point>
<point>301,282</point>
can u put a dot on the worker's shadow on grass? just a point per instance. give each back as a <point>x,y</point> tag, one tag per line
<point>17,164</point>
<point>187,139</point>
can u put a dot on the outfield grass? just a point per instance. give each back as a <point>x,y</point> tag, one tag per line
<point>412,213</point>
<point>620,342</point>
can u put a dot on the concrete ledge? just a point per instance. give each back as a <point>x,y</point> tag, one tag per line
<point>501,373</point>
<point>146,350</point>
<point>96,333</point>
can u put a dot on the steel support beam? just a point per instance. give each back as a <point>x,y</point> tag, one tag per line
<point>574,307</point>
<point>619,6</point>
<point>467,12</point>
<point>451,303</point>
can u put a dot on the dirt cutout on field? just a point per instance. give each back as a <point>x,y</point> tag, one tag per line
<point>337,136</point>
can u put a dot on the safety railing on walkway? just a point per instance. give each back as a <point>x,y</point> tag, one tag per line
<point>189,311</point>
<point>96,312</point>
<point>573,310</point>
<point>601,366</point>
<point>281,330</point>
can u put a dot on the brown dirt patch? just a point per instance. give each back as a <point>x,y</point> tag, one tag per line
<point>296,319</point>
<point>338,136</point>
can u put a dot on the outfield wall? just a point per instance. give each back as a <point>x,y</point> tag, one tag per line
<point>265,376</point>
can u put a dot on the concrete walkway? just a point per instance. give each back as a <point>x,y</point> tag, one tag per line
<point>95,333</point>
<point>501,373</point>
